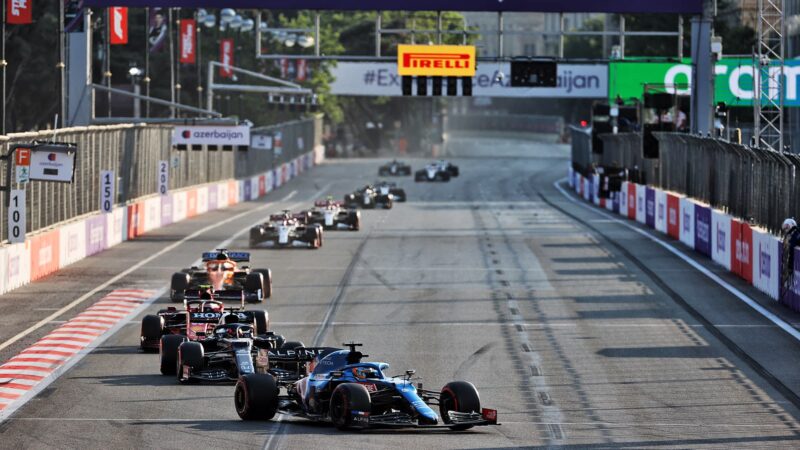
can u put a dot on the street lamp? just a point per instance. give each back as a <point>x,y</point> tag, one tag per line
<point>135,73</point>
<point>209,21</point>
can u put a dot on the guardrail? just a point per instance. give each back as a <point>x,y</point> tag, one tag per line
<point>133,152</point>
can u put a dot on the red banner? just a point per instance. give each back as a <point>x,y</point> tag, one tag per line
<point>118,18</point>
<point>302,70</point>
<point>226,58</point>
<point>188,41</point>
<point>19,12</point>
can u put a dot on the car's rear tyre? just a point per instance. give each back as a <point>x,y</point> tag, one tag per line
<point>355,220</point>
<point>254,287</point>
<point>168,352</point>
<point>454,171</point>
<point>388,204</point>
<point>260,322</point>
<point>267,274</point>
<point>256,397</point>
<point>460,396</point>
<point>152,327</point>
<point>346,398</point>
<point>178,285</point>
<point>320,234</point>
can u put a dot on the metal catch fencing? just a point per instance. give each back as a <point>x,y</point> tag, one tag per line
<point>757,185</point>
<point>133,152</point>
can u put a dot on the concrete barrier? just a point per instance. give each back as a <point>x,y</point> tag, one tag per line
<point>46,252</point>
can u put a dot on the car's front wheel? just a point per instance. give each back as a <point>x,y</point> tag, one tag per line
<point>256,397</point>
<point>350,406</point>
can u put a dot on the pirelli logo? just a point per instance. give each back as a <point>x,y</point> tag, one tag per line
<point>436,60</point>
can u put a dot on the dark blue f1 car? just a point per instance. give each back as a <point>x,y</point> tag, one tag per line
<point>353,394</point>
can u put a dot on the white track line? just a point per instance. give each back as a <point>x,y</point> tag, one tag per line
<point>792,331</point>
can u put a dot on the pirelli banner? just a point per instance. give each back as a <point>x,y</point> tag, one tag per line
<point>439,62</point>
<point>436,60</point>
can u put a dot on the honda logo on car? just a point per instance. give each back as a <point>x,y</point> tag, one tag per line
<point>211,135</point>
<point>436,60</point>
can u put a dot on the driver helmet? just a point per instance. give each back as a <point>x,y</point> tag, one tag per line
<point>788,224</point>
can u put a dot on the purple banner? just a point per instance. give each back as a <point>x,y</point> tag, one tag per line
<point>276,178</point>
<point>95,234</point>
<point>650,208</point>
<point>166,210</point>
<point>212,197</point>
<point>248,189</point>
<point>610,6</point>
<point>702,229</point>
<point>615,201</point>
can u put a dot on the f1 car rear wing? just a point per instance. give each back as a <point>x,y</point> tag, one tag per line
<point>223,296</point>
<point>233,256</point>
<point>324,203</point>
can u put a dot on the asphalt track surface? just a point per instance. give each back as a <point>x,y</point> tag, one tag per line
<point>581,332</point>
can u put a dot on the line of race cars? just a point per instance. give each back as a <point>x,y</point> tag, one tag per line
<point>206,340</point>
<point>440,170</point>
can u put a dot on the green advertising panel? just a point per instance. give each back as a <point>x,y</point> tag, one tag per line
<point>733,83</point>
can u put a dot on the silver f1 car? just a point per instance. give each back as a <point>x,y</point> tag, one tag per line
<point>287,230</point>
<point>332,215</point>
<point>389,187</point>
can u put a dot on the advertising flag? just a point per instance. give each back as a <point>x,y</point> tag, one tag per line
<point>118,18</point>
<point>226,58</point>
<point>19,12</point>
<point>188,41</point>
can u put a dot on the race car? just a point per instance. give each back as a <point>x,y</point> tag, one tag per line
<point>228,277</point>
<point>192,322</point>
<point>388,187</point>
<point>353,394</point>
<point>368,197</point>
<point>231,347</point>
<point>332,215</point>
<point>394,168</point>
<point>287,230</point>
<point>437,171</point>
<point>447,167</point>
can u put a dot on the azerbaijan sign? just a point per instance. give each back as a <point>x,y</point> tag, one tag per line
<point>733,83</point>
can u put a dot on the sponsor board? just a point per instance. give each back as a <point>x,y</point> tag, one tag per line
<point>152,213</point>
<point>166,209</point>
<point>673,216</point>
<point>45,253</point>
<point>72,243</point>
<point>381,79</point>
<point>623,199</point>
<point>742,252</point>
<point>436,60</point>
<point>95,235</point>
<point>733,83</point>
<point>687,221</point>
<point>632,188</point>
<point>641,203</point>
<point>211,135</point>
<point>212,196</point>
<point>18,265</point>
<point>766,263</point>
<point>179,206</point>
<point>721,241</point>
<point>650,207</point>
<point>661,211</point>
<point>702,229</point>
